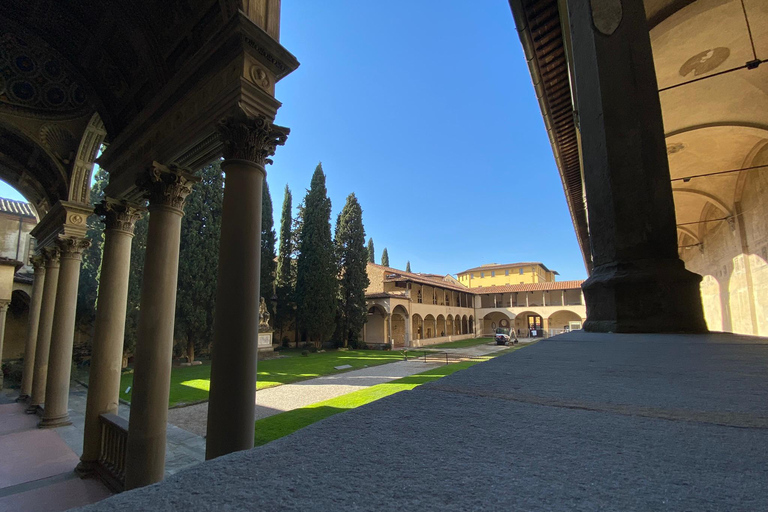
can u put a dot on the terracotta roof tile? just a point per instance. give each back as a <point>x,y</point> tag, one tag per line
<point>17,208</point>
<point>530,287</point>
<point>494,266</point>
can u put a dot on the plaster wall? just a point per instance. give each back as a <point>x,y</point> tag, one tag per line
<point>15,240</point>
<point>732,261</point>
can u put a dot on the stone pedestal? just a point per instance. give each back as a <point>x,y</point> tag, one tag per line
<point>265,341</point>
<point>638,282</point>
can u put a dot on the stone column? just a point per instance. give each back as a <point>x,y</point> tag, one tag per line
<point>3,310</point>
<point>56,413</point>
<point>638,283</point>
<point>167,189</point>
<point>38,262</point>
<point>248,144</point>
<point>45,326</point>
<point>109,330</point>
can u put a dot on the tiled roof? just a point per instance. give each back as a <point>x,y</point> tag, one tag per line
<point>530,287</point>
<point>393,274</point>
<point>17,208</point>
<point>494,266</point>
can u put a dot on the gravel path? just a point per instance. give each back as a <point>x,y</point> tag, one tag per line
<point>287,397</point>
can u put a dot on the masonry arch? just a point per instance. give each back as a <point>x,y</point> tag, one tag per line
<point>430,326</point>
<point>417,327</point>
<point>494,320</point>
<point>449,327</point>
<point>563,320</point>
<point>464,325</point>
<point>440,326</point>
<point>375,328</point>
<point>400,326</point>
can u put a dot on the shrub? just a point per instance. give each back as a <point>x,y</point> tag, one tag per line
<point>386,346</point>
<point>305,353</point>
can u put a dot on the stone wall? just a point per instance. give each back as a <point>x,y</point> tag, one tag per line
<point>732,259</point>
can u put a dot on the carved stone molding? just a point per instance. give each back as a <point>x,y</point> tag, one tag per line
<point>251,137</point>
<point>52,256</point>
<point>38,263</point>
<point>119,215</point>
<point>72,247</point>
<point>167,185</point>
<point>4,305</point>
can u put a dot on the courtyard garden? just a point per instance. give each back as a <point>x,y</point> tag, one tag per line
<point>190,384</point>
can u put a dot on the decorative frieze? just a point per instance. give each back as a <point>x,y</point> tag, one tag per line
<point>119,215</point>
<point>167,185</point>
<point>251,137</point>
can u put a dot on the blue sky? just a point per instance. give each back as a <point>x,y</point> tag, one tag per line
<point>425,110</point>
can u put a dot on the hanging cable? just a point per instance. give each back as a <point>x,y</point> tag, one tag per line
<point>716,173</point>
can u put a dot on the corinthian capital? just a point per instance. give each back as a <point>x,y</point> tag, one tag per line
<point>119,215</point>
<point>251,137</point>
<point>51,255</point>
<point>167,185</point>
<point>71,246</point>
<point>38,262</point>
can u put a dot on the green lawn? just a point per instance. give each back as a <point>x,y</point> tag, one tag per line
<point>190,384</point>
<point>462,343</point>
<point>279,425</point>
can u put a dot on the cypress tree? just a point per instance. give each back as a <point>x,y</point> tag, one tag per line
<point>408,266</point>
<point>88,286</point>
<point>199,262</point>
<point>371,252</point>
<point>353,258</point>
<point>286,268</point>
<point>385,258</point>
<point>268,263</point>
<point>138,254</point>
<point>316,271</point>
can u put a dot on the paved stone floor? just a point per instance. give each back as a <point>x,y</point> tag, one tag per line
<point>287,397</point>
<point>576,422</point>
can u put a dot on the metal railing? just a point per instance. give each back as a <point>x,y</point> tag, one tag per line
<point>114,440</point>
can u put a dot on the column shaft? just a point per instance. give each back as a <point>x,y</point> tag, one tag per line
<point>248,143</point>
<point>236,328</point>
<point>56,412</point>
<point>3,310</point>
<point>30,348</point>
<point>109,329</point>
<point>145,461</point>
<point>638,282</point>
<point>45,326</point>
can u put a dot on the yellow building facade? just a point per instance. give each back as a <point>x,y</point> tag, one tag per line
<point>494,274</point>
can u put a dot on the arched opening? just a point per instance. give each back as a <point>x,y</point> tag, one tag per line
<point>526,323</point>
<point>399,327</point>
<point>464,325</point>
<point>375,328</point>
<point>430,325</point>
<point>563,321</point>
<point>440,329</point>
<point>493,320</point>
<point>471,324</point>
<point>16,321</point>
<point>449,329</point>
<point>417,331</point>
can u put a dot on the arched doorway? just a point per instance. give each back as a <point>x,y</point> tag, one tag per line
<point>563,321</point>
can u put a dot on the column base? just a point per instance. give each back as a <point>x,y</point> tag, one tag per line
<point>34,409</point>
<point>23,398</point>
<point>60,421</point>
<point>85,468</point>
<point>644,296</point>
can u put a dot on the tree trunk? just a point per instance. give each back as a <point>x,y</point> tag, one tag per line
<point>190,349</point>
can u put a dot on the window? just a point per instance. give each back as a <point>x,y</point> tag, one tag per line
<point>493,273</point>
<point>471,276</point>
<point>506,272</point>
<point>482,274</point>
<point>522,270</point>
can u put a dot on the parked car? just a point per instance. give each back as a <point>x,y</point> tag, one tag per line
<point>502,336</point>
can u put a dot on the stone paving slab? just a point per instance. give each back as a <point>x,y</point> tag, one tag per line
<point>287,397</point>
<point>506,435</point>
